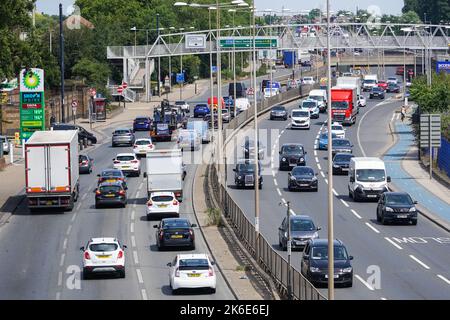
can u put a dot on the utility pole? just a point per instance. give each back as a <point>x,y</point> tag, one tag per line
<point>330,169</point>
<point>61,59</point>
<point>219,94</point>
<point>211,80</point>
<point>289,250</point>
<point>159,58</point>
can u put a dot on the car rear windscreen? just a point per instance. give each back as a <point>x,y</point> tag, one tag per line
<point>194,264</point>
<point>125,158</point>
<point>106,189</point>
<point>162,198</point>
<point>111,173</point>
<point>102,247</point>
<point>121,132</point>
<point>142,142</point>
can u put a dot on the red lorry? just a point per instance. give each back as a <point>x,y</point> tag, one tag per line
<point>344,105</point>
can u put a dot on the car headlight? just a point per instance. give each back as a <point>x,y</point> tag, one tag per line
<point>314,179</point>
<point>293,178</point>
<point>389,209</point>
<point>413,209</point>
<point>314,269</point>
<point>335,166</point>
<point>239,177</point>
<point>315,235</point>
<point>302,159</point>
<point>285,234</point>
<point>245,149</point>
<point>347,270</point>
<point>283,159</point>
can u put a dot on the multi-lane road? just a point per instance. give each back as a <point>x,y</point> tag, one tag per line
<point>409,268</point>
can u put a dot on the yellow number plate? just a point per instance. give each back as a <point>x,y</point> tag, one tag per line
<point>104,256</point>
<point>177,236</point>
<point>193,274</point>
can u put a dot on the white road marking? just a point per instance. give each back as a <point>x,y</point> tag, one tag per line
<point>69,229</point>
<point>292,212</point>
<point>141,185</point>
<point>364,282</point>
<point>73,217</point>
<point>356,214</point>
<point>345,203</point>
<point>134,205</point>
<point>139,275</point>
<point>273,173</point>
<point>283,200</point>
<point>135,256</point>
<point>383,298</point>
<point>443,278</point>
<point>275,182</point>
<point>393,243</point>
<point>58,295</point>
<point>317,159</point>
<point>315,152</point>
<point>326,181</point>
<point>398,116</point>
<point>133,241</point>
<point>61,262</point>
<point>335,192</point>
<point>419,262</point>
<point>84,196</point>
<point>279,192</point>
<point>393,116</point>
<point>78,206</point>
<point>372,227</point>
<point>65,244</point>
<point>132,227</point>
<point>132,214</point>
<point>138,193</point>
<point>323,174</point>
<point>59,279</point>
<point>144,294</point>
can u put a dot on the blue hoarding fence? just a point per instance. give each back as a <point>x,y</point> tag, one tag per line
<point>443,159</point>
<point>443,66</point>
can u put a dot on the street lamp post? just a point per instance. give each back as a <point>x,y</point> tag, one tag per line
<point>289,250</point>
<point>159,58</point>
<point>234,65</point>
<point>211,70</point>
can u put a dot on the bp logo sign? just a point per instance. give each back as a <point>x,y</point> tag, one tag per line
<point>32,80</point>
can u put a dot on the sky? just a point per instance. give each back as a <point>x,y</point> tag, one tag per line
<point>386,6</point>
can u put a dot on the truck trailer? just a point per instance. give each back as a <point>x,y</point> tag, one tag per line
<point>51,169</point>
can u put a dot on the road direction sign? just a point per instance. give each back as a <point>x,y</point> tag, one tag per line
<point>430,130</point>
<point>247,42</point>
<point>195,41</point>
<point>213,69</point>
<point>180,77</point>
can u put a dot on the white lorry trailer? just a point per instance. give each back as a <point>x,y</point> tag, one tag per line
<point>349,83</point>
<point>165,172</point>
<point>51,169</point>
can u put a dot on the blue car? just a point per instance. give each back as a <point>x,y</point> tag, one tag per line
<point>142,123</point>
<point>201,110</point>
<point>228,101</point>
<point>323,140</point>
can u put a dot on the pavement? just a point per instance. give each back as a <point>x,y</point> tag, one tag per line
<point>402,164</point>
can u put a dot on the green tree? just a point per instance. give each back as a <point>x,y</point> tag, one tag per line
<point>95,73</point>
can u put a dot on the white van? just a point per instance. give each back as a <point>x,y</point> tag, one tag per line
<point>320,96</point>
<point>242,104</point>
<point>368,178</point>
<point>370,81</point>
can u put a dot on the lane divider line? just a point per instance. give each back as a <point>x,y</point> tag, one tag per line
<point>59,279</point>
<point>84,196</point>
<point>132,227</point>
<point>356,214</point>
<point>364,282</point>
<point>443,278</point>
<point>133,241</point>
<point>144,294</point>
<point>393,243</point>
<point>292,212</point>
<point>345,203</point>
<point>326,180</point>
<point>419,262</point>
<point>65,244</point>
<point>335,193</point>
<point>279,192</point>
<point>132,214</point>
<point>323,175</point>
<point>283,200</point>
<point>139,275</point>
<point>69,229</point>
<point>73,217</point>
<point>319,166</point>
<point>61,262</point>
<point>372,227</point>
<point>135,257</point>
<point>275,182</point>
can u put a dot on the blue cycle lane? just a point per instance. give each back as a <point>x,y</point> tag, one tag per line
<point>393,160</point>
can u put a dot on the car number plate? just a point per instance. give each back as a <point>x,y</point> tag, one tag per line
<point>125,167</point>
<point>304,185</point>
<point>402,216</point>
<point>49,203</point>
<point>335,276</point>
<point>162,205</point>
<point>371,196</point>
<point>104,256</point>
<point>176,236</point>
<point>110,195</point>
<point>344,169</point>
<point>110,180</point>
<point>249,184</point>
<point>194,275</point>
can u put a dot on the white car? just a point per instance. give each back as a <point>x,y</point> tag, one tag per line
<point>338,130</point>
<point>162,203</point>
<point>270,92</point>
<point>189,139</point>
<point>392,80</point>
<point>362,101</point>
<point>128,163</point>
<point>142,146</point>
<point>300,118</point>
<point>192,271</point>
<point>103,255</point>
<point>242,104</point>
<point>308,80</point>
<point>183,105</point>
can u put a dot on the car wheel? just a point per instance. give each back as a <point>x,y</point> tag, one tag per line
<point>414,222</point>
<point>86,275</point>
<point>350,284</point>
<point>383,220</point>
<point>122,274</point>
<point>212,290</point>
<point>175,291</point>
<point>378,217</point>
<point>316,189</point>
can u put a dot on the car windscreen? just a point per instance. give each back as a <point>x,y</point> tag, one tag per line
<point>102,247</point>
<point>193,264</point>
<point>174,224</point>
<point>106,189</point>
<point>125,158</point>
<point>399,199</point>
<point>201,106</point>
<point>308,104</point>
<point>141,119</point>
<point>279,108</point>
<point>300,114</point>
<point>302,171</point>
<point>122,132</point>
<point>317,98</point>
<point>142,142</point>
<point>376,89</point>
<point>162,126</point>
<point>81,157</point>
<point>179,103</point>
<point>325,135</point>
<point>302,225</point>
<point>338,128</point>
<point>2,139</point>
<point>370,175</point>
<point>292,149</point>
<point>111,173</point>
<point>162,198</point>
<point>321,253</point>
<point>246,167</point>
<point>341,143</point>
<point>370,81</point>
<point>343,157</point>
<point>342,105</point>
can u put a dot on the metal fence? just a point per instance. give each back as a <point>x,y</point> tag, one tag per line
<point>268,258</point>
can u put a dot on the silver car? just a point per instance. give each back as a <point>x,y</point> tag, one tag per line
<point>5,142</point>
<point>302,230</point>
<point>123,136</point>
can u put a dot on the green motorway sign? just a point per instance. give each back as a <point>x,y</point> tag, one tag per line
<point>247,42</point>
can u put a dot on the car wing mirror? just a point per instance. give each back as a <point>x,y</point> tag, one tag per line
<point>155,226</point>
<point>95,190</point>
<point>98,175</point>
<point>145,174</point>
<point>234,169</point>
<point>82,248</point>
<point>193,225</point>
<point>306,152</point>
<point>305,257</point>
<point>415,202</point>
<point>388,179</point>
<point>169,264</point>
<point>318,228</point>
<point>350,258</point>
<point>213,263</point>
<point>352,179</point>
<point>124,246</point>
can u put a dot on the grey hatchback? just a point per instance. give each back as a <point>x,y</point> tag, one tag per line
<point>302,230</point>
<point>123,136</point>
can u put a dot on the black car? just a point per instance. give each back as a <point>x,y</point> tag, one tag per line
<point>111,194</point>
<point>302,229</point>
<point>111,175</point>
<point>314,264</point>
<point>278,112</point>
<point>393,88</point>
<point>85,164</point>
<point>292,154</point>
<point>377,92</point>
<point>341,146</point>
<point>244,174</point>
<point>396,206</point>
<point>175,232</point>
<point>82,132</point>
<point>303,178</point>
<point>207,118</point>
<point>341,163</point>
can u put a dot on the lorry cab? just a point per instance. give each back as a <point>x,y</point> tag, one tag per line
<point>344,105</point>
<point>320,96</point>
<point>367,178</point>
